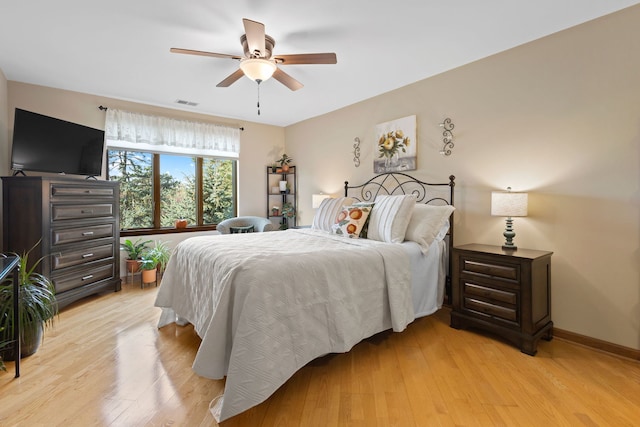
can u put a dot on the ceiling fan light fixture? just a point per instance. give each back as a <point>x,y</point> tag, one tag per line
<point>258,68</point>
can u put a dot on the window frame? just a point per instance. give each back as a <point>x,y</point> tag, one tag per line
<point>200,226</point>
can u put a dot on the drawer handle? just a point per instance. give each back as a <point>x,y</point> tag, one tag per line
<point>88,233</point>
<point>90,276</point>
<point>86,211</point>
<point>87,255</point>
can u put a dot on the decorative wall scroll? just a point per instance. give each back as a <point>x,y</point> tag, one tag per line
<point>447,137</point>
<point>356,152</point>
<point>396,146</point>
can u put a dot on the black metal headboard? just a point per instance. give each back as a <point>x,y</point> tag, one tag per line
<point>426,193</point>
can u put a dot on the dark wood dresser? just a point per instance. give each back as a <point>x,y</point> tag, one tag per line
<point>78,222</point>
<point>504,292</point>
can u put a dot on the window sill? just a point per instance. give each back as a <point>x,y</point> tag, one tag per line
<point>167,230</point>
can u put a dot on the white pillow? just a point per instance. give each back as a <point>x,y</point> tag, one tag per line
<point>428,223</point>
<point>390,217</point>
<point>328,211</point>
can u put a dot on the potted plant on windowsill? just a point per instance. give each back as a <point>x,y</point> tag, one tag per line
<point>37,306</point>
<point>134,252</point>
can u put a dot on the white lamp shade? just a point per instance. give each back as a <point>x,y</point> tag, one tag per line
<point>509,204</point>
<point>316,199</point>
<point>257,68</point>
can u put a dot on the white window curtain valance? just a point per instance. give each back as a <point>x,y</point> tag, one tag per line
<point>141,132</point>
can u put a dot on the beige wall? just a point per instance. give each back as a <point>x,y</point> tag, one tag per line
<point>559,118</point>
<point>259,143</point>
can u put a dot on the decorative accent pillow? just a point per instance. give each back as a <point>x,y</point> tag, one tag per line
<point>365,227</point>
<point>390,217</point>
<point>328,211</point>
<point>351,220</point>
<point>427,224</point>
<point>242,229</point>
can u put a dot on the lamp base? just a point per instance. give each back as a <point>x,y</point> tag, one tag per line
<point>509,234</point>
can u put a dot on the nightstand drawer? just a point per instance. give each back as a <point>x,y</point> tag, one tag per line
<point>472,289</point>
<point>491,309</point>
<point>473,266</point>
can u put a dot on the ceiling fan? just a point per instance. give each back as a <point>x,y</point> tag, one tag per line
<point>258,62</point>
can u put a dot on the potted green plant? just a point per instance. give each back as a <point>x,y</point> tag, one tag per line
<point>162,253</point>
<point>37,307</point>
<point>154,260</point>
<point>134,252</point>
<point>149,266</point>
<point>285,162</point>
<point>288,211</point>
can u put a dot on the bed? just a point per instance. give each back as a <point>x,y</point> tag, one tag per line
<point>266,304</point>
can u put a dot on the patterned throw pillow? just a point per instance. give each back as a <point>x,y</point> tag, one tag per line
<point>351,220</point>
<point>326,215</point>
<point>242,229</point>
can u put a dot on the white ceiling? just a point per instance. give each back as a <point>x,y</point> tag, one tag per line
<point>120,48</point>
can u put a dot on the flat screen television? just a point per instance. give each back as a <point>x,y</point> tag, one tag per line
<point>46,144</point>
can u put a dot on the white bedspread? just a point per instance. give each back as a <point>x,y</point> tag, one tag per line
<point>266,304</point>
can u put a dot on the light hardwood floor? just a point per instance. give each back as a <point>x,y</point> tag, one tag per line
<point>106,364</point>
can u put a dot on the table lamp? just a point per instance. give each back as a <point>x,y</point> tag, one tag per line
<point>509,204</point>
<point>316,199</point>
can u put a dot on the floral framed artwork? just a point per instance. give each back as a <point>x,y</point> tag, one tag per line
<point>396,146</point>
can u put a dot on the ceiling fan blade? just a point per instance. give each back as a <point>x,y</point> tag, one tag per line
<point>255,37</point>
<point>287,80</point>
<point>231,79</point>
<point>203,53</point>
<point>307,58</point>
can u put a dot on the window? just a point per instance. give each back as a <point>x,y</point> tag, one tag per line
<point>156,189</point>
<point>171,169</point>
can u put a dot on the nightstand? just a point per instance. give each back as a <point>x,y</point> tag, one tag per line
<point>505,292</point>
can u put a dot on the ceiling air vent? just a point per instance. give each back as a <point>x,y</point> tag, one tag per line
<point>189,103</point>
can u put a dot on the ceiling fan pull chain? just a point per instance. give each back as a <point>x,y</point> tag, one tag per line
<point>258,81</point>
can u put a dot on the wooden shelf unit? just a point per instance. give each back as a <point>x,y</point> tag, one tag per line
<point>280,198</point>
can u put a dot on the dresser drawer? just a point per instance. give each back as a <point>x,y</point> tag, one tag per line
<point>493,310</point>
<point>64,212</point>
<point>80,234</point>
<point>473,289</point>
<point>61,190</point>
<point>490,269</point>
<point>80,256</point>
<point>82,277</point>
